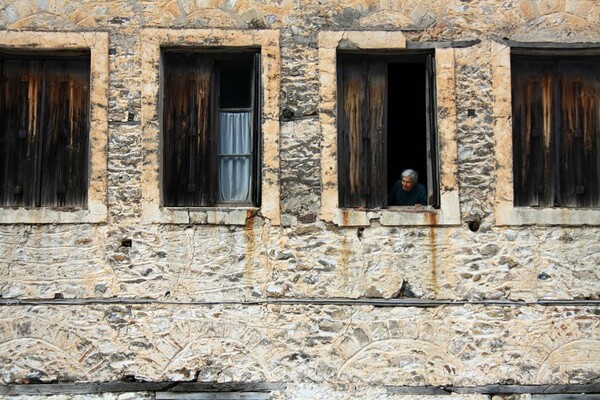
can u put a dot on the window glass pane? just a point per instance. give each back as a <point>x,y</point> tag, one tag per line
<point>236,85</point>
<point>235,157</point>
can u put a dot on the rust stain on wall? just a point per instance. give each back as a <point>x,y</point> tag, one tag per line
<point>432,219</point>
<point>345,258</point>
<point>344,217</point>
<point>250,245</point>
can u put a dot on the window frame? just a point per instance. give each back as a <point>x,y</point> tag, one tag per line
<point>506,213</point>
<point>559,154</point>
<point>426,60</point>
<point>97,44</point>
<point>330,44</point>
<point>267,42</point>
<point>217,61</point>
<point>49,183</point>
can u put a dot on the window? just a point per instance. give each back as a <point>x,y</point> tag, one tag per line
<point>386,124</point>
<point>211,135</point>
<point>556,129</point>
<point>433,77</point>
<point>218,47</point>
<point>44,129</point>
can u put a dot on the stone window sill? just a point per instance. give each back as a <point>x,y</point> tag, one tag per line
<point>95,213</point>
<point>396,216</point>
<point>509,215</point>
<point>201,215</point>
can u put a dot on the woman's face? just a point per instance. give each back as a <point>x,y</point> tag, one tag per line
<point>407,184</point>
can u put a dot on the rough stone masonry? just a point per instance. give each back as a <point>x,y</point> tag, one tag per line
<point>300,294</point>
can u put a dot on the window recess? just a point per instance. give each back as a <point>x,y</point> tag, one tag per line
<point>210,143</point>
<point>556,129</point>
<point>386,123</point>
<point>44,129</point>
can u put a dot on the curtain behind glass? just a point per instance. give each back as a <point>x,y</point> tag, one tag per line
<point>235,157</point>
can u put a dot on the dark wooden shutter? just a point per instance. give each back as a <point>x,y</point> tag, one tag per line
<point>19,127</point>
<point>433,183</point>
<point>533,132</point>
<point>556,131</point>
<point>257,134</point>
<point>187,166</point>
<point>362,98</point>
<point>65,133</point>
<point>579,167</point>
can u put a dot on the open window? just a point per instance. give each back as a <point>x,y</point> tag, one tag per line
<point>556,129</point>
<point>386,124</point>
<point>211,136</point>
<point>44,129</point>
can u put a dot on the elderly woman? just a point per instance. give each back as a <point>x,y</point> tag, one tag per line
<point>407,191</point>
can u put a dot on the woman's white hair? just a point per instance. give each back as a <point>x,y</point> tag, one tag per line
<point>412,174</point>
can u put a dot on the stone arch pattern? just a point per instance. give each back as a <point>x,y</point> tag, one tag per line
<point>216,359</point>
<point>33,349</point>
<point>573,362</point>
<point>25,13</point>
<point>401,362</point>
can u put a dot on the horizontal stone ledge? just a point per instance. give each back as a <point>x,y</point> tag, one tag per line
<point>304,301</point>
<point>550,45</point>
<point>191,387</point>
<point>455,44</point>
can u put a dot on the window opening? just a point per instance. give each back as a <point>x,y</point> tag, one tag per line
<point>556,130</point>
<point>386,124</point>
<point>210,129</point>
<point>44,130</point>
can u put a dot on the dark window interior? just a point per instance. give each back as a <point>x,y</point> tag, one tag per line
<point>406,146</point>
<point>236,86</point>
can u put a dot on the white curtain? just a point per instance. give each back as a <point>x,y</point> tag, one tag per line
<point>235,157</point>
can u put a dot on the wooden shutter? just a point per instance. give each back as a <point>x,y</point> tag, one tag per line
<point>533,132</point>
<point>433,183</point>
<point>257,135</point>
<point>65,132</point>
<point>556,131</point>
<point>362,98</point>
<point>19,127</point>
<point>187,144</point>
<point>579,167</point>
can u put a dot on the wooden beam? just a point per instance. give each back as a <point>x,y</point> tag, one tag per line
<point>246,390</point>
<point>121,387</point>
<point>558,390</point>
<point>375,302</point>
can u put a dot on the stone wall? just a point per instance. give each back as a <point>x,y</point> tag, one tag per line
<point>510,303</point>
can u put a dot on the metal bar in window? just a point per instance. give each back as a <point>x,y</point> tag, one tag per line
<point>234,110</point>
